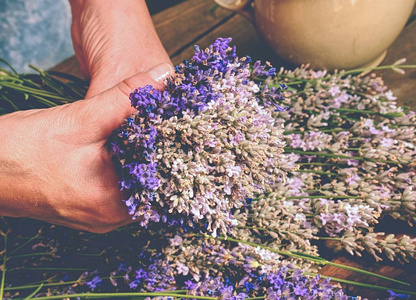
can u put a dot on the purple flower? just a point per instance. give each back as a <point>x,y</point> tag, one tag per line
<point>180,155</point>
<point>94,283</point>
<point>394,295</point>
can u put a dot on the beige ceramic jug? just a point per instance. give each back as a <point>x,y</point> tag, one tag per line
<point>331,34</point>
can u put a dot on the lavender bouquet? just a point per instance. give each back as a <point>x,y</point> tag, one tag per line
<point>194,152</point>
<point>235,171</point>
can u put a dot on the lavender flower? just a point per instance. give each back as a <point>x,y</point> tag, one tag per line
<point>356,149</point>
<point>276,285</point>
<point>96,281</point>
<point>197,150</point>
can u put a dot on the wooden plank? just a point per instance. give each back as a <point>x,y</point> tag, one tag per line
<point>180,25</point>
<point>403,86</point>
<point>244,35</point>
<point>404,272</point>
<point>385,268</point>
<point>69,66</point>
<point>156,6</point>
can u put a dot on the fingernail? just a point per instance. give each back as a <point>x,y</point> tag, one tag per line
<point>160,72</point>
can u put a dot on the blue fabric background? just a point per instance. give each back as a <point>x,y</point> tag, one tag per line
<point>35,32</point>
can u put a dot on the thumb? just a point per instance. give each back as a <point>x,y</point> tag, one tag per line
<point>113,106</point>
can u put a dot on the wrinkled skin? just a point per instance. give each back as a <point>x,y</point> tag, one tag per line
<point>54,163</point>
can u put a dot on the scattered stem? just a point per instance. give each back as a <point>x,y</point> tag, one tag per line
<point>317,172</point>
<point>317,260</point>
<point>360,284</point>
<point>325,154</point>
<point>30,255</point>
<point>123,295</point>
<point>320,130</point>
<point>31,286</point>
<point>4,269</point>
<point>25,243</point>
<point>35,292</point>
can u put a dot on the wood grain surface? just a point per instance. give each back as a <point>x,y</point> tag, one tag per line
<point>196,22</point>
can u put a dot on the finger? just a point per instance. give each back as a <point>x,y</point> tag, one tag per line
<point>113,106</point>
<point>77,43</point>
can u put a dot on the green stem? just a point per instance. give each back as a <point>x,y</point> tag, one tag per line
<point>315,164</point>
<point>89,254</point>
<point>10,102</point>
<point>291,150</point>
<point>366,285</point>
<point>313,191</point>
<point>267,229</point>
<point>32,91</point>
<point>317,260</point>
<point>361,70</point>
<point>49,269</point>
<point>47,102</point>
<point>56,85</point>
<point>9,65</point>
<point>320,130</point>
<point>26,287</point>
<point>368,112</point>
<point>35,292</point>
<point>25,243</point>
<point>41,72</point>
<point>328,238</point>
<point>29,238</point>
<point>316,172</point>
<point>296,82</point>
<point>324,154</point>
<point>319,196</point>
<point>354,120</point>
<point>262,229</point>
<point>344,73</point>
<point>29,255</point>
<point>287,232</point>
<point>3,275</point>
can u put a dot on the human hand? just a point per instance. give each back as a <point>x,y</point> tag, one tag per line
<point>114,40</point>
<point>55,165</point>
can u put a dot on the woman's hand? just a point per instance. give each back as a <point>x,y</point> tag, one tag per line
<point>114,40</point>
<point>55,165</point>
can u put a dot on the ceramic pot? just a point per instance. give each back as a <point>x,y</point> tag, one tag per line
<point>331,34</point>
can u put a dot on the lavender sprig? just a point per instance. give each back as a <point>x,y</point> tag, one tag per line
<point>357,147</point>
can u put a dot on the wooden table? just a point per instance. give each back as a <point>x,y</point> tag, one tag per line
<point>199,22</point>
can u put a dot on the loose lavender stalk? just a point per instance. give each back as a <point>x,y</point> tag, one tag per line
<point>155,270</point>
<point>360,164</point>
<point>46,89</point>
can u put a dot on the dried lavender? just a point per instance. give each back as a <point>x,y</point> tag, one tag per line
<point>197,150</point>
<point>151,265</point>
<point>356,152</point>
<point>354,147</point>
